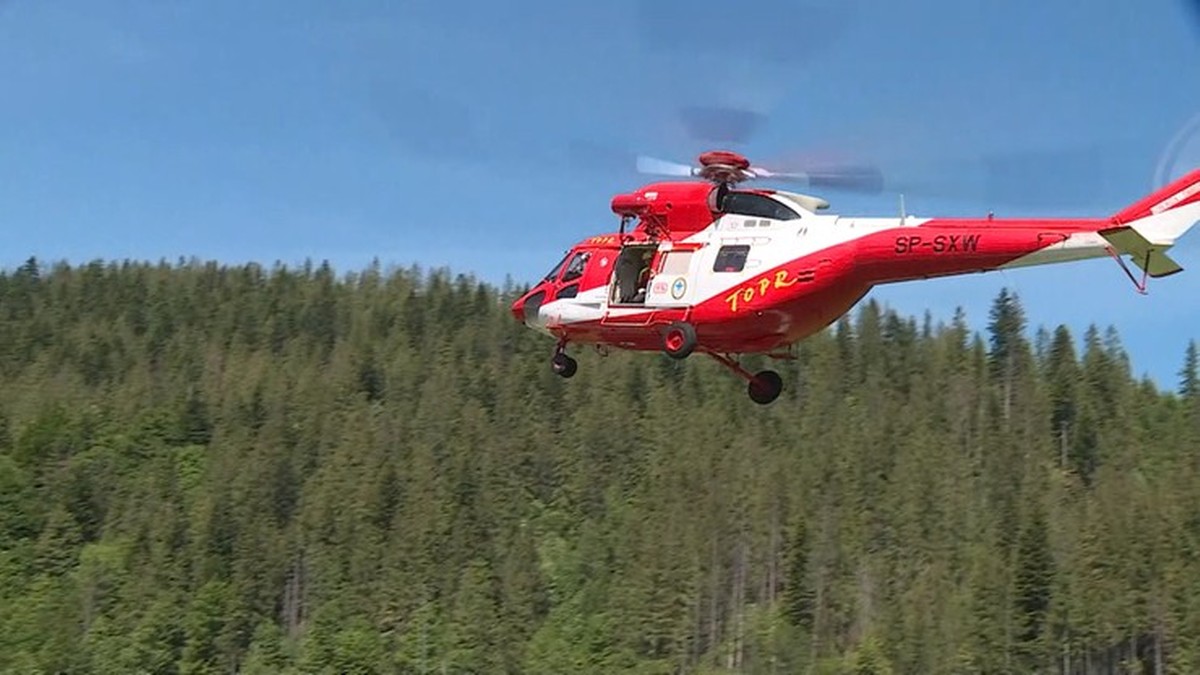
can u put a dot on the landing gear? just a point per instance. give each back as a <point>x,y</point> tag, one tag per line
<point>764,386</point>
<point>563,365</point>
<point>679,340</point>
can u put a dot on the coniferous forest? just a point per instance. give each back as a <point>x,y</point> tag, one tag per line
<point>219,469</point>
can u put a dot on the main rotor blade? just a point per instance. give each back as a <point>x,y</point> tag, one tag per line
<point>859,179</point>
<point>1060,178</point>
<point>662,167</point>
<point>1182,153</point>
<point>851,178</point>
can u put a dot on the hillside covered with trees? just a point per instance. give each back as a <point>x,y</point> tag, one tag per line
<point>210,469</point>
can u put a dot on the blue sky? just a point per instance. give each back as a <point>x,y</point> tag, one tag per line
<point>449,133</point>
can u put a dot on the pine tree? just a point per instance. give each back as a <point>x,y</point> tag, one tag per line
<point>1005,327</point>
<point>1189,375</point>
<point>1062,375</point>
<point>1034,567</point>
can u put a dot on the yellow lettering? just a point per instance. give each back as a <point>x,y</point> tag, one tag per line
<point>762,286</point>
<point>732,300</point>
<point>748,294</point>
<point>780,277</point>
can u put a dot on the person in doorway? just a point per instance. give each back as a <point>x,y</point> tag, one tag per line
<point>633,274</point>
<point>626,272</point>
<point>644,275</point>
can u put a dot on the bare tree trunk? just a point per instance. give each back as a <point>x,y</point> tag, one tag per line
<point>1062,450</point>
<point>714,630</point>
<point>818,612</point>
<point>737,605</point>
<point>820,578</point>
<point>293,598</point>
<point>1132,648</point>
<point>697,627</point>
<point>743,569</point>
<point>1008,378</point>
<point>1159,631</point>
<point>1158,650</point>
<point>1007,633</point>
<point>773,556</point>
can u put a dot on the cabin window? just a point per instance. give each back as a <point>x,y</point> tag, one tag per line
<point>759,206</point>
<point>676,263</point>
<point>567,292</point>
<point>731,258</point>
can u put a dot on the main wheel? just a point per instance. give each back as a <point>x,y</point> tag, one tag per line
<point>679,340</point>
<point>765,387</point>
<point>563,365</point>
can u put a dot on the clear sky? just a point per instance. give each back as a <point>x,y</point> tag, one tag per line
<point>487,136</point>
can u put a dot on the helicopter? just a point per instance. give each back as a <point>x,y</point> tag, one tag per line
<point>700,264</point>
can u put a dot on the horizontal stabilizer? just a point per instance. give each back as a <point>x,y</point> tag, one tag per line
<point>1145,255</point>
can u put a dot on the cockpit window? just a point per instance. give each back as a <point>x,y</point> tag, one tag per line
<point>575,268</point>
<point>557,268</point>
<point>760,206</point>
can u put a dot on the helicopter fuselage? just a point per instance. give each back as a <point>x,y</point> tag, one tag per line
<point>767,269</point>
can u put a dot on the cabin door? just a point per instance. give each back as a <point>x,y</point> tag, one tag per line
<point>631,274</point>
<point>673,281</point>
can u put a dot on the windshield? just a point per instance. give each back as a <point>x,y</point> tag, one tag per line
<point>557,268</point>
<point>575,269</point>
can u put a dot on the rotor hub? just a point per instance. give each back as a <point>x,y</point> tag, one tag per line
<point>723,166</point>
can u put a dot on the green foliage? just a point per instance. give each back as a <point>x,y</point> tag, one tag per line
<point>206,630</point>
<point>267,653</point>
<point>1189,375</point>
<point>869,658</point>
<point>213,469</point>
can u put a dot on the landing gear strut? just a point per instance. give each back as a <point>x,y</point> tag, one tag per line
<point>763,386</point>
<point>563,365</point>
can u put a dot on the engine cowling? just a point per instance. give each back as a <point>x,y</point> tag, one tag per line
<point>677,208</point>
<point>631,205</point>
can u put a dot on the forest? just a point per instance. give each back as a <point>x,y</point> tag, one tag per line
<point>211,468</point>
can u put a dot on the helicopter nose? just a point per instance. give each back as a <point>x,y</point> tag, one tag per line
<point>526,309</point>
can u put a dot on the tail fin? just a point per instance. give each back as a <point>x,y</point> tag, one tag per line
<point>1147,228</point>
<point>1165,215</point>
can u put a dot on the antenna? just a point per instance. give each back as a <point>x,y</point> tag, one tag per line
<point>903,215</point>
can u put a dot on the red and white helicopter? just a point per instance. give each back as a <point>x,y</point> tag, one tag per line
<point>710,268</point>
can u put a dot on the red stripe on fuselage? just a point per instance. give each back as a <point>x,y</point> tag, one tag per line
<point>946,246</point>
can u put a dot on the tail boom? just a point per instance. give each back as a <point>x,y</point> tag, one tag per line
<point>1180,193</point>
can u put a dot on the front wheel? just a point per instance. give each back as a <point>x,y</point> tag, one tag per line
<point>765,387</point>
<point>679,340</point>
